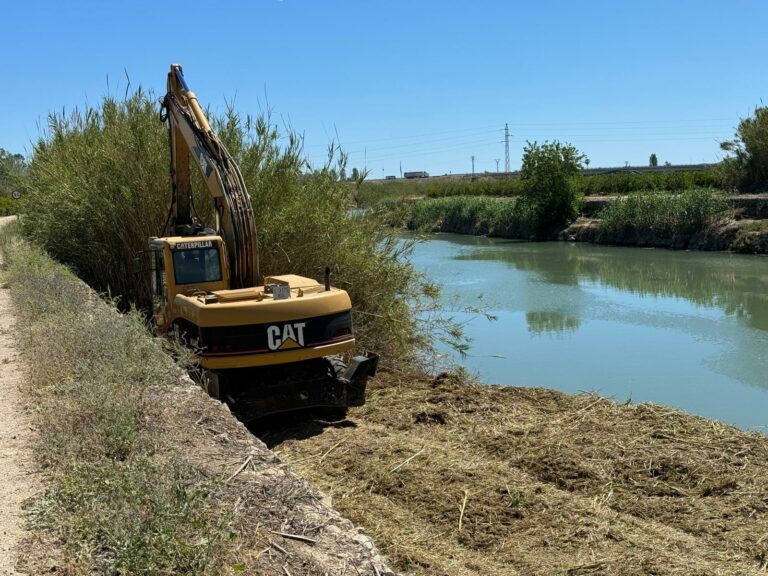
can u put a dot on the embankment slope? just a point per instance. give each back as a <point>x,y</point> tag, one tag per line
<point>144,473</point>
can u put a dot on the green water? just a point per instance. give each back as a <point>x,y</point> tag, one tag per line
<point>685,329</point>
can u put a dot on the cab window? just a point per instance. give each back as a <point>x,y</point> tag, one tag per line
<point>197,266</point>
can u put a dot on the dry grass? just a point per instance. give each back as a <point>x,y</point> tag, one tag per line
<point>452,478</point>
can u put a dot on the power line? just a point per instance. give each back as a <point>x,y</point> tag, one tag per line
<point>630,131</point>
<point>421,143</point>
<point>413,136</point>
<point>462,146</point>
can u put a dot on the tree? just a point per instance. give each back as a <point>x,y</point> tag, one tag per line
<point>548,193</point>
<point>653,161</point>
<point>12,167</point>
<point>355,174</point>
<point>748,167</point>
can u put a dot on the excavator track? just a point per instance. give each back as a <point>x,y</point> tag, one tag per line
<point>326,383</point>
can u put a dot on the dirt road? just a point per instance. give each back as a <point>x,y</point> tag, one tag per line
<point>17,467</point>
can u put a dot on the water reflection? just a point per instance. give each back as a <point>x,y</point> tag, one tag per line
<point>734,284</point>
<point>548,322</point>
<point>685,329</point>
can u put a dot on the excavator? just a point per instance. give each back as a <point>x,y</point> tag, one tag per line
<point>264,346</point>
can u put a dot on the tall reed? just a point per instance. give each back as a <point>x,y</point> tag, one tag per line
<point>98,188</point>
<point>648,217</point>
<point>472,215</point>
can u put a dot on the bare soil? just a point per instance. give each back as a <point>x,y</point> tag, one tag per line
<point>18,469</point>
<point>452,479</point>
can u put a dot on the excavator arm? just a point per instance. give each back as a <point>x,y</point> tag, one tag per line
<point>191,136</point>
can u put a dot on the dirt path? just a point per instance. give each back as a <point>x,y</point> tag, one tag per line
<point>18,478</point>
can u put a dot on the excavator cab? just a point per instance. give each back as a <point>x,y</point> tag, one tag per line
<point>185,265</point>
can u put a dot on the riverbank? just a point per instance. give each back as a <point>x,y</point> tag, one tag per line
<point>451,478</point>
<point>744,236</point>
<point>696,219</point>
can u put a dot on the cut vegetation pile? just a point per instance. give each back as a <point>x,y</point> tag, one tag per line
<point>458,479</point>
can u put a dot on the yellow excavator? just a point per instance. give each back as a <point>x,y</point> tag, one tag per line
<point>264,347</point>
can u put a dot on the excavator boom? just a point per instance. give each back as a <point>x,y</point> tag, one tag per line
<point>191,136</point>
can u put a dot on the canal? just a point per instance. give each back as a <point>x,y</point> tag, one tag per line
<point>685,329</point>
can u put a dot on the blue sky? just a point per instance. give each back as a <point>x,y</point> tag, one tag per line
<point>420,84</point>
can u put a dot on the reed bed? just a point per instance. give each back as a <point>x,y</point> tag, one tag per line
<point>97,188</point>
<point>653,217</point>
<point>472,215</point>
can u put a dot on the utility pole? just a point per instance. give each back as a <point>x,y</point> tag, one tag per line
<point>401,169</point>
<point>497,160</point>
<point>473,167</point>
<point>506,149</point>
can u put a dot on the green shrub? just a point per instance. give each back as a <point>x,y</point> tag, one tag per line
<point>748,167</point>
<point>8,206</point>
<point>547,191</point>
